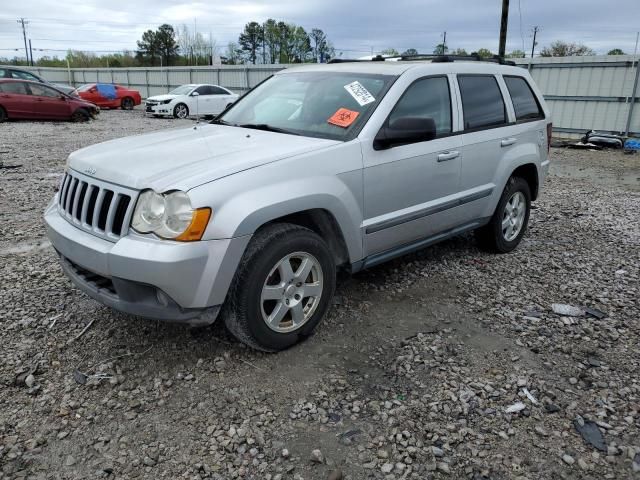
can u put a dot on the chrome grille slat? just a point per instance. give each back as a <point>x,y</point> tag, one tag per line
<point>76,199</point>
<point>112,209</point>
<point>97,208</point>
<point>85,204</point>
<point>108,227</point>
<point>70,193</point>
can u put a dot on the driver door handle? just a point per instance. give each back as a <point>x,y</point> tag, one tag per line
<point>445,156</point>
<point>508,141</point>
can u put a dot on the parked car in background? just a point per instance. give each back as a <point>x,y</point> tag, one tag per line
<point>249,217</point>
<point>191,100</point>
<point>17,73</point>
<point>22,99</point>
<point>109,95</point>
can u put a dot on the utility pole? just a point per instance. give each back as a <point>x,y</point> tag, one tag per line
<point>24,22</point>
<point>444,44</point>
<point>30,53</point>
<point>503,28</point>
<point>533,45</point>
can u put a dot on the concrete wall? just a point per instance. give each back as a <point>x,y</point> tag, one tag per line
<point>583,93</point>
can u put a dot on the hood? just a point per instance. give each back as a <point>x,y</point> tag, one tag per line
<point>187,157</point>
<point>160,98</point>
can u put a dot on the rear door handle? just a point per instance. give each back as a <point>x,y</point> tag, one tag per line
<point>444,156</point>
<point>508,141</point>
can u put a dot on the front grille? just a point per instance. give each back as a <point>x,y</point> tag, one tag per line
<point>100,208</point>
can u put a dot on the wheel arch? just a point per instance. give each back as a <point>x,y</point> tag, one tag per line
<point>528,172</point>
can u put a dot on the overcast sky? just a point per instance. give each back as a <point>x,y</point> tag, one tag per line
<point>354,27</point>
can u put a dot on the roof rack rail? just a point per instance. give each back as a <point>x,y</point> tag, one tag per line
<point>435,58</point>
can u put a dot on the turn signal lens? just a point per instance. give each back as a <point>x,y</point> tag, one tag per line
<point>198,225</point>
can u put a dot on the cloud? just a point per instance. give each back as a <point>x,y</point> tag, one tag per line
<point>355,27</point>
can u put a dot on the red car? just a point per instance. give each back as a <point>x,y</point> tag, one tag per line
<point>36,101</point>
<point>108,95</point>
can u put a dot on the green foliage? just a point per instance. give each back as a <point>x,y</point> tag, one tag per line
<point>410,51</point>
<point>484,53</point>
<point>565,49</point>
<point>461,52</point>
<point>516,54</point>
<point>390,51</point>
<point>616,51</point>
<point>440,49</point>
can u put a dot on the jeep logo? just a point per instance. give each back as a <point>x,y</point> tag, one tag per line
<point>90,171</point>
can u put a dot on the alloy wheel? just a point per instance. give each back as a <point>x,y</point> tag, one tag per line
<point>513,216</point>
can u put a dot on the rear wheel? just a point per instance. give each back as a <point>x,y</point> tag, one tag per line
<point>509,222</point>
<point>181,111</point>
<point>3,114</point>
<point>282,288</point>
<point>127,103</point>
<point>80,115</point>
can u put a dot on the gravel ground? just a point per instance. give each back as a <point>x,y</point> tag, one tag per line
<point>410,376</point>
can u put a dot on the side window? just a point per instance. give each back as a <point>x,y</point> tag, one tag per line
<point>16,88</point>
<point>218,91</point>
<point>204,90</point>
<point>4,73</point>
<point>24,75</point>
<point>524,101</point>
<point>482,102</point>
<point>42,91</point>
<point>426,98</point>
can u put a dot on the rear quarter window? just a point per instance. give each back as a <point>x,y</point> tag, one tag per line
<point>482,102</point>
<point>525,103</point>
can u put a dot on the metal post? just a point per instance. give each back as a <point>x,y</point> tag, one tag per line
<point>146,76</point>
<point>30,53</point>
<point>633,97</point>
<point>504,20</point>
<point>246,73</point>
<point>535,34</point>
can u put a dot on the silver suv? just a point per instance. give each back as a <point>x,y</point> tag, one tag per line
<point>318,168</point>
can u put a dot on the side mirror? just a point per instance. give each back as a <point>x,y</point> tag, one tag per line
<point>194,94</point>
<point>405,130</point>
<point>62,97</point>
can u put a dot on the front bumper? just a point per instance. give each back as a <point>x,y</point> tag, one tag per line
<point>148,277</point>
<point>158,109</point>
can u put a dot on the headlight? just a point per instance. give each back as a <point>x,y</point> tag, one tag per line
<point>169,216</point>
<point>166,101</point>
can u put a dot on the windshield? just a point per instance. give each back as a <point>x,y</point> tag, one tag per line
<point>330,105</point>
<point>183,90</point>
<point>84,88</point>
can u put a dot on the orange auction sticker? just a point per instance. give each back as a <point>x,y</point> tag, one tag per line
<point>343,117</point>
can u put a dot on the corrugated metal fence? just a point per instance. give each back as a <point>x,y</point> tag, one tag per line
<point>587,93</point>
<point>583,93</point>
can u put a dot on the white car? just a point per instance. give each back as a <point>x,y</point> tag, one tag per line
<point>191,100</point>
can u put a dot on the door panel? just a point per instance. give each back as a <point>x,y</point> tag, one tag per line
<point>410,191</point>
<point>485,120</point>
<point>15,98</point>
<point>48,102</point>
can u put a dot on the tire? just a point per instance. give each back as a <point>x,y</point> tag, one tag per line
<point>127,103</point>
<point>181,111</point>
<point>246,313</point>
<point>493,237</point>
<point>80,115</point>
<point>3,115</point>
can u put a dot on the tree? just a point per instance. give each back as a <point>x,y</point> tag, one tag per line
<point>233,55</point>
<point>166,42</point>
<point>251,40</point>
<point>484,53</point>
<point>410,51</point>
<point>460,52</point>
<point>391,52</point>
<point>565,49</point>
<point>616,51</point>
<point>319,39</point>
<point>516,54</point>
<point>148,47</point>
<point>300,45</point>
<point>440,49</point>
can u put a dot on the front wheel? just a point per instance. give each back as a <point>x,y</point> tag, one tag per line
<point>80,115</point>
<point>509,222</point>
<point>3,114</point>
<point>127,103</point>
<point>181,111</point>
<point>282,288</point>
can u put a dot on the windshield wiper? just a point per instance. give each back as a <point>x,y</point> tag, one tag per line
<point>220,122</point>
<point>265,127</point>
